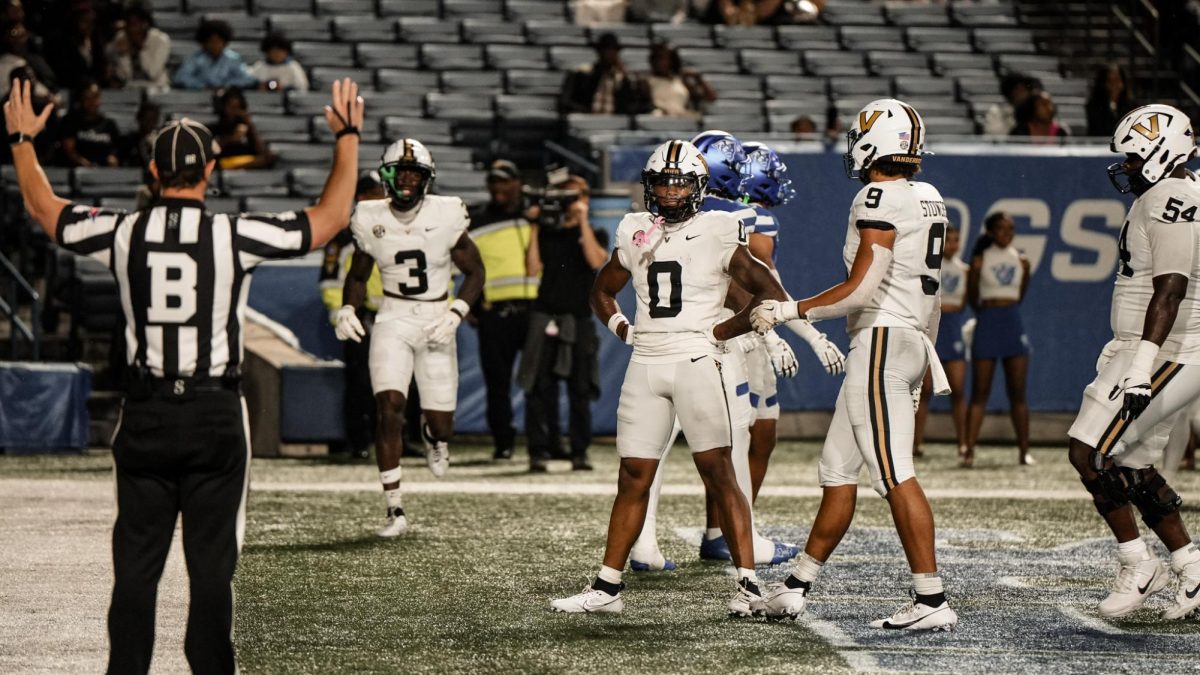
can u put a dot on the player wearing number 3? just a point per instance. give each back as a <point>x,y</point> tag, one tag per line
<point>416,239</point>
<point>893,253</point>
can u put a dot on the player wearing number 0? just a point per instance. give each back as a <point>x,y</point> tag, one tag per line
<point>892,254</point>
<point>681,262</point>
<point>1151,369</point>
<point>416,239</point>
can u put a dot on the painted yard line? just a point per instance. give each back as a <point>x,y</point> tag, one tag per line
<point>1095,623</point>
<point>490,487</point>
<point>859,659</point>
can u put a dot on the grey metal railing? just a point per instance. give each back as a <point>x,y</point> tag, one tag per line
<point>9,306</point>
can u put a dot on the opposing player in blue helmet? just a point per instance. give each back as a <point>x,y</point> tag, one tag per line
<point>765,184</point>
<point>725,157</point>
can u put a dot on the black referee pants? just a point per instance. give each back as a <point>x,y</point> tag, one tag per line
<point>502,330</point>
<point>178,456</point>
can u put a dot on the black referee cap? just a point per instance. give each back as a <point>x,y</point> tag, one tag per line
<point>181,145</point>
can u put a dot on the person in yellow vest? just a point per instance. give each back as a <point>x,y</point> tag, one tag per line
<point>359,402</point>
<point>501,233</point>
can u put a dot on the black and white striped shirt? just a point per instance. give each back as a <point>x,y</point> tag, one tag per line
<point>183,276</point>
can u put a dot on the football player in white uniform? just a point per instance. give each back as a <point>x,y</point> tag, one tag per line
<point>893,253</point>
<point>681,262</point>
<point>1151,369</point>
<point>416,239</point>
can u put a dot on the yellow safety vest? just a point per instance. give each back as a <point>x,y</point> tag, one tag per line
<point>331,289</point>
<point>502,246</point>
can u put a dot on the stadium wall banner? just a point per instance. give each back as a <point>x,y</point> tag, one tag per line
<point>1068,218</point>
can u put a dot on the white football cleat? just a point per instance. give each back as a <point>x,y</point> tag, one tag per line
<point>437,453</point>
<point>397,524</point>
<point>747,602</point>
<point>1187,597</point>
<point>786,603</point>
<point>918,616</point>
<point>589,601</point>
<point>1135,582</point>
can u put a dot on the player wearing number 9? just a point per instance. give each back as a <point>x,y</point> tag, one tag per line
<point>416,239</point>
<point>892,254</point>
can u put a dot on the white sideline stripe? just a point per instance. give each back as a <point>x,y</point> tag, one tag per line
<point>484,486</point>
<point>1092,622</point>
<point>850,651</point>
<point>1012,582</point>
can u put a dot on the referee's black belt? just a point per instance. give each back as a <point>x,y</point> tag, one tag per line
<point>182,388</point>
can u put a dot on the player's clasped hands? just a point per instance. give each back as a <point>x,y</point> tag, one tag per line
<point>771,313</point>
<point>348,326</point>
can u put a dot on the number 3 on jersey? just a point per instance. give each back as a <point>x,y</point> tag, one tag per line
<point>674,273</point>
<point>418,281</point>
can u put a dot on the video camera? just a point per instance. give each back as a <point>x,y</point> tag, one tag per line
<point>553,200</point>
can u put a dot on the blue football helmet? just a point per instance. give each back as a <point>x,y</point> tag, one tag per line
<point>765,180</point>
<point>725,156</point>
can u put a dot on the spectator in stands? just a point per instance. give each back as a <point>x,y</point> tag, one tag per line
<point>673,91</point>
<point>139,52</point>
<point>657,11</point>
<point>804,128</point>
<point>13,12</point>
<point>241,145</point>
<point>88,137</point>
<point>759,12</point>
<point>1002,117</point>
<point>603,87</point>
<point>75,54</point>
<point>136,145</point>
<point>214,65</point>
<point>1111,99</point>
<point>278,70</point>
<point>1035,118</point>
<point>15,43</point>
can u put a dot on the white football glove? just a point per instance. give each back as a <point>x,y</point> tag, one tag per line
<point>832,359</point>
<point>783,359</point>
<point>771,313</point>
<point>348,327</point>
<point>712,337</point>
<point>442,331</point>
<point>746,342</point>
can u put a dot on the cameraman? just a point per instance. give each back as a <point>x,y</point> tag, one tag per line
<point>562,344</point>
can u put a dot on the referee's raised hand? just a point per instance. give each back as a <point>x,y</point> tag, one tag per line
<point>19,115</point>
<point>345,112</point>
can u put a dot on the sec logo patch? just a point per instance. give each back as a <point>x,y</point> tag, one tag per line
<point>378,231</point>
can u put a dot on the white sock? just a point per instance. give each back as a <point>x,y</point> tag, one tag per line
<point>712,533</point>
<point>1133,551</point>
<point>390,476</point>
<point>393,499</point>
<point>744,573</point>
<point>1185,557</point>
<point>929,583</point>
<point>609,574</point>
<point>807,568</point>
<point>764,549</point>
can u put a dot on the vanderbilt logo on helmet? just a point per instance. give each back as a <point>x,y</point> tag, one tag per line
<point>1151,132</point>
<point>408,152</point>
<point>866,122</point>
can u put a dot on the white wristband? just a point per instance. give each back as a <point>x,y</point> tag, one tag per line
<point>614,323</point>
<point>1143,358</point>
<point>460,307</point>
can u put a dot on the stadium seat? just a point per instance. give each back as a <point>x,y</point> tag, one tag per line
<point>117,101</point>
<point>853,87</point>
<point>452,182</point>
<point>516,57</point>
<point>459,107</point>
<point>580,123</point>
<point>890,64</point>
<point>415,82</point>
<point>683,125</point>
<point>308,182</point>
<point>492,31</point>
<point>798,38</point>
<point>309,103</point>
<point>795,86</point>
<point>744,37</point>
<point>313,54</point>
<point>368,156</point>
<point>402,103</point>
<point>533,82</point>
<point>357,29</point>
<point>735,86</point>
<point>485,81</point>
<point>916,15</point>
<point>542,108</point>
<point>183,102</point>
<point>300,27</point>
<point>280,7</point>
<point>1066,92</point>
<point>274,204</point>
<point>427,8</point>
<point>705,60</point>
<point>452,57</point>
<point>255,183</point>
<point>283,128</point>
<point>983,14</point>
<point>1004,41</point>
<point>106,181</point>
<point>451,156</point>
<point>166,6</point>
<point>320,78</point>
<point>853,14</point>
<point>939,40</point>
<point>948,126</point>
<point>422,30</point>
<point>428,131</point>
<point>630,34</point>
<point>939,107</point>
<point>369,133</point>
<point>736,124</point>
<point>732,106</point>
<point>1030,64</point>
<point>571,58</point>
<point>524,10</point>
<point>924,87</point>
<point>387,56</point>
<point>476,8</point>
<point>265,102</point>
<point>831,64</point>
<point>245,26</point>
<point>181,48</point>
<point>872,38</point>
<point>120,203</point>
<point>683,35</point>
<point>207,6</point>
<point>336,8</point>
<point>769,62</point>
<point>951,63</point>
<point>551,33</point>
<point>976,89</point>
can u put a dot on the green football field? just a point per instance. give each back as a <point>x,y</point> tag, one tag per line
<point>467,589</point>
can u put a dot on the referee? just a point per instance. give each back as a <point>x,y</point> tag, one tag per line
<point>182,444</point>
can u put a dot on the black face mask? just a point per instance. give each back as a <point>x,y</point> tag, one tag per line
<point>688,206</point>
<point>1134,182</point>
<point>389,172</point>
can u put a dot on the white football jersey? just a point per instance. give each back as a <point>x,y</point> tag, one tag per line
<point>953,279</point>
<point>1001,273</point>
<point>412,248</point>
<point>909,290</point>
<point>680,276</point>
<point>1161,224</point>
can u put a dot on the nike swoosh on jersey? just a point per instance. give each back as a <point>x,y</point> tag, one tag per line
<point>697,359</point>
<point>1192,593</point>
<point>1143,589</point>
<point>691,237</point>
